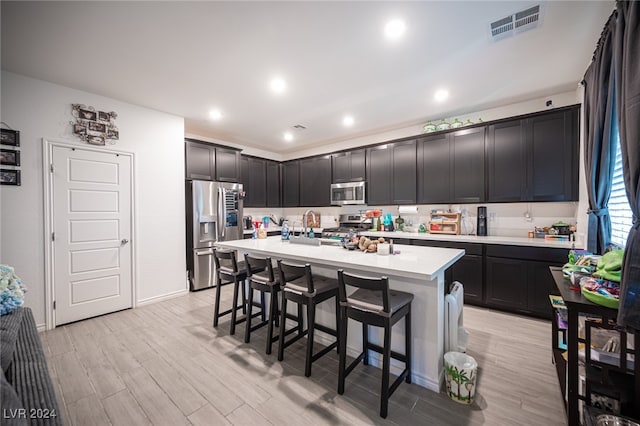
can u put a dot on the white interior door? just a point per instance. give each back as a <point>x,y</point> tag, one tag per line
<point>92,231</point>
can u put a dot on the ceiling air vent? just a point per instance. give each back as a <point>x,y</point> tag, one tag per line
<point>516,23</point>
<point>299,127</point>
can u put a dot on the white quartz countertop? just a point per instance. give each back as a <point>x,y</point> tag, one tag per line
<point>514,241</point>
<point>276,228</point>
<point>413,261</point>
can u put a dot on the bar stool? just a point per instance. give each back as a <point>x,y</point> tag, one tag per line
<point>230,271</point>
<point>299,286</point>
<point>374,304</point>
<point>262,277</point>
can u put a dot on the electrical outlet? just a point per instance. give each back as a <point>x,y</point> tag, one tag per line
<point>527,216</point>
<point>492,217</point>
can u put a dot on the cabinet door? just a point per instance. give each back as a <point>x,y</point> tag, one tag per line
<point>403,181</point>
<point>200,159</point>
<point>467,167</point>
<point>540,285</point>
<point>506,284</point>
<point>379,175</point>
<point>257,183</point>
<point>506,162</point>
<point>433,170</point>
<point>227,165</point>
<point>315,182</point>
<point>468,271</point>
<point>358,168</point>
<point>245,173</point>
<point>341,166</point>
<point>290,187</point>
<point>273,184</point>
<point>553,151</point>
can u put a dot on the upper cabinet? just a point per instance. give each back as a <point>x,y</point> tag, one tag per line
<point>290,184</point>
<point>451,167</point>
<point>273,183</point>
<point>261,182</point>
<point>200,160</point>
<point>315,182</point>
<point>391,173</point>
<point>227,165</point>
<point>348,166</point>
<point>205,161</point>
<point>535,158</point>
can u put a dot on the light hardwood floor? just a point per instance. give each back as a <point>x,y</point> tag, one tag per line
<point>164,364</point>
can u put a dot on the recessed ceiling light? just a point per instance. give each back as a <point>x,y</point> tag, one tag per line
<point>278,85</point>
<point>347,121</point>
<point>441,95</point>
<point>395,29</point>
<point>288,137</point>
<point>215,114</point>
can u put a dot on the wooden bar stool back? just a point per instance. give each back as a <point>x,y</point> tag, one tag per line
<point>299,286</point>
<point>264,278</point>
<point>373,303</point>
<point>229,271</point>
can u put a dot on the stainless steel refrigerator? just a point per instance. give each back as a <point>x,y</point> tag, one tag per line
<point>214,213</point>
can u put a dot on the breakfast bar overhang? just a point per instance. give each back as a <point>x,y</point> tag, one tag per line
<point>418,270</point>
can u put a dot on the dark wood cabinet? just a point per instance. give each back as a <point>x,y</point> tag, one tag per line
<point>391,173</point>
<point>552,145</point>
<point>434,167</point>
<point>348,166</point>
<point>451,167</point>
<point>468,270</point>
<point>290,184</point>
<point>273,184</point>
<point>534,158</point>
<point>255,183</point>
<point>227,163</point>
<point>200,160</point>
<point>506,284</point>
<point>506,162</point>
<point>467,165</point>
<point>315,182</point>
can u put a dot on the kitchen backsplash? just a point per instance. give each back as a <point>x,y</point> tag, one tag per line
<point>505,219</point>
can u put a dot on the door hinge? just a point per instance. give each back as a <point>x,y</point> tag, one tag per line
<point>54,304</point>
<point>51,167</point>
<point>53,236</point>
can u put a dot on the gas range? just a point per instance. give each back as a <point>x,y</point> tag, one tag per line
<point>355,222</point>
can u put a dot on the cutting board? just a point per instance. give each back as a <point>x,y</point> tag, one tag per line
<point>311,223</point>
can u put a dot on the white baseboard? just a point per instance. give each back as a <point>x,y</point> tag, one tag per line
<point>41,327</point>
<point>161,297</point>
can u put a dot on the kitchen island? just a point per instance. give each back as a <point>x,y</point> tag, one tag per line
<point>418,270</point>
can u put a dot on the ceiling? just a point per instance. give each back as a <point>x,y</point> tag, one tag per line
<point>186,58</point>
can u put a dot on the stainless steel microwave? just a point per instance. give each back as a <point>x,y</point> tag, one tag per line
<point>348,193</point>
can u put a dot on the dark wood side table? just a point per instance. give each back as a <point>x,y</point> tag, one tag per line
<point>576,304</point>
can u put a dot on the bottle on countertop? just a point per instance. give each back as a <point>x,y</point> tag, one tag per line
<point>311,233</point>
<point>284,234</point>
<point>379,224</point>
<point>254,235</point>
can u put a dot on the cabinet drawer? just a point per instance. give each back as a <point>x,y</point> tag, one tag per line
<point>543,254</point>
<point>469,248</point>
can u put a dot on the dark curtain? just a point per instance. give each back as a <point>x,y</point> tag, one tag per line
<point>599,148</point>
<point>627,70</point>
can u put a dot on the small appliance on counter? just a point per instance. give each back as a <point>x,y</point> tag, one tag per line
<point>248,222</point>
<point>482,221</point>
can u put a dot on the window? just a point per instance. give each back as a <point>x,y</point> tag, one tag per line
<point>619,208</point>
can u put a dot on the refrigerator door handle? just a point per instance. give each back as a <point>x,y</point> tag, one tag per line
<point>223,212</point>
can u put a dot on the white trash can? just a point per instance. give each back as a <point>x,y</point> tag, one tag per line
<point>461,372</point>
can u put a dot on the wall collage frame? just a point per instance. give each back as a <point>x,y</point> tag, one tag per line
<point>10,156</point>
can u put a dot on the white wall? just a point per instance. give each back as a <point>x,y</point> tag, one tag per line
<point>43,110</point>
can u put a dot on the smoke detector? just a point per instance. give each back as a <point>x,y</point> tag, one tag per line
<point>516,23</point>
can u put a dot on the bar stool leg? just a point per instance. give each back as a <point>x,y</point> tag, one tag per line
<point>365,343</point>
<point>407,333</point>
<point>247,330</point>
<point>283,321</point>
<point>234,310</point>
<point>263,317</point>
<point>300,320</point>
<point>273,317</point>
<point>216,309</point>
<point>244,298</point>
<point>338,337</point>
<point>386,361</point>
<point>311,320</point>
<point>343,350</point>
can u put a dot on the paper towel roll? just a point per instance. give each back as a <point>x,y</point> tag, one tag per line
<point>408,209</point>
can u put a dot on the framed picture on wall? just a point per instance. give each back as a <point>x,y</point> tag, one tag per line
<point>9,157</point>
<point>9,177</point>
<point>9,137</point>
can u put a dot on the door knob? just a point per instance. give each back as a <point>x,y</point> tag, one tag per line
<point>124,241</point>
